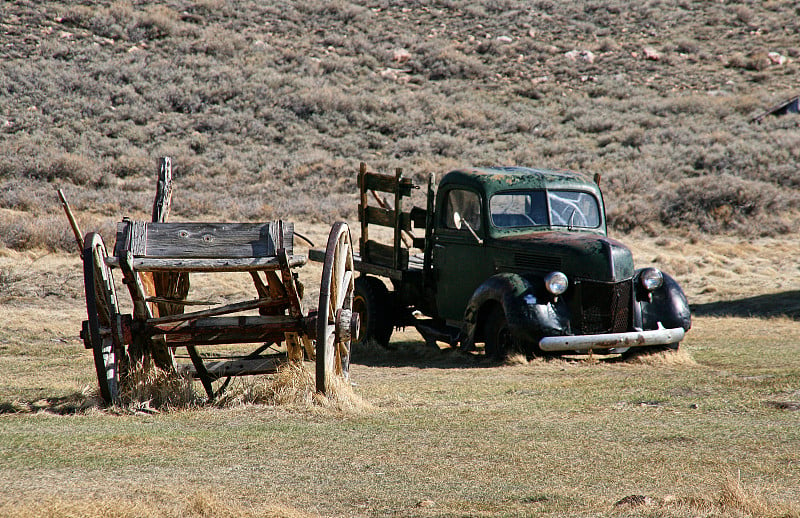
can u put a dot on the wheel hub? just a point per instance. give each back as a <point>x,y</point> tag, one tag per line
<point>347,324</point>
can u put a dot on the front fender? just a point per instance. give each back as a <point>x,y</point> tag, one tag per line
<point>667,305</point>
<point>530,311</point>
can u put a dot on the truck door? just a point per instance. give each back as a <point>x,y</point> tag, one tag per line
<point>459,259</point>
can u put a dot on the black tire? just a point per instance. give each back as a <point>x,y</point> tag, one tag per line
<point>498,341</point>
<point>373,303</point>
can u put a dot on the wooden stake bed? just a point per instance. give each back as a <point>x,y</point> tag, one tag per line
<point>156,259</point>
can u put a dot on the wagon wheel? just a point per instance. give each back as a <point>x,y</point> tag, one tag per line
<point>104,324</point>
<point>336,322</point>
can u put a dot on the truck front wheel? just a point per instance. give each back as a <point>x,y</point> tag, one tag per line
<point>497,335</point>
<point>373,303</point>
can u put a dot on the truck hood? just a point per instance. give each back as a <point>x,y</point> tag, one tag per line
<point>578,255</point>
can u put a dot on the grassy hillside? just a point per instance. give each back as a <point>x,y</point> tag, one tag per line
<point>267,107</point>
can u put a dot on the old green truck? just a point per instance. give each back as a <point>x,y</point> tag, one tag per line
<point>515,258</point>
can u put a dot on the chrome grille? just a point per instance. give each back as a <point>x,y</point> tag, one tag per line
<point>605,307</point>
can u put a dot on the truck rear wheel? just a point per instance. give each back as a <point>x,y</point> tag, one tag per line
<point>373,303</point>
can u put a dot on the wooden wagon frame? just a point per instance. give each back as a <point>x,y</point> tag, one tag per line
<point>156,259</point>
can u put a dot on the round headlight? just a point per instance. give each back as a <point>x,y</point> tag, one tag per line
<point>651,279</point>
<point>556,283</point>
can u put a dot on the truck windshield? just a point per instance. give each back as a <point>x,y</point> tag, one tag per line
<point>542,208</point>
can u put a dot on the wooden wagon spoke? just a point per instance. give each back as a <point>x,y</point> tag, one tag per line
<point>334,319</point>
<point>104,333</point>
<point>345,290</point>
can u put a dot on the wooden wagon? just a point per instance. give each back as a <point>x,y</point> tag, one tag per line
<point>156,259</point>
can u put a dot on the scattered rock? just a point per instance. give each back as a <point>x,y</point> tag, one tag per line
<point>400,56</point>
<point>651,54</point>
<point>694,406</point>
<point>635,501</point>
<point>583,55</point>
<point>650,403</point>
<point>505,39</point>
<point>777,58</point>
<point>395,74</point>
<point>426,503</point>
<point>785,405</point>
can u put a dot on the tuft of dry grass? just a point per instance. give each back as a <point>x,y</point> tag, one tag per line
<point>148,388</point>
<point>731,499</point>
<point>293,386</point>
<point>681,357</point>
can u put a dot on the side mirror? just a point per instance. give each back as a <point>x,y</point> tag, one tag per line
<point>458,221</point>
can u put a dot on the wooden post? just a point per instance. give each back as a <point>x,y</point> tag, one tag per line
<point>428,252</point>
<point>163,200</point>
<point>166,285</point>
<point>398,208</point>
<point>76,230</point>
<point>362,212</point>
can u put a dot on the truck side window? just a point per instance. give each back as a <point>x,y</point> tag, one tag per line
<point>467,204</point>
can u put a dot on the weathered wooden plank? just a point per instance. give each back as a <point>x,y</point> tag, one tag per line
<point>386,183</point>
<point>222,310</point>
<point>385,255</point>
<point>385,217</point>
<point>289,286</point>
<point>243,264</point>
<point>204,240</point>
<point>241,323</point>
<point>227,330</point>
<point>238,367</point>
<point>214,240</point>
<point>137,238</point>
<point>374,269</point>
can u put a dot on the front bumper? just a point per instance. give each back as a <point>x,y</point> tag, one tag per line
<point>660,336</point>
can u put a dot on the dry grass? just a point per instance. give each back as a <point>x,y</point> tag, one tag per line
<point>147,388</point>
<point>681,357</point>
<point>732,498</point>
<point>294,387</point>
<point>274,104</point>
<point>193,505</point>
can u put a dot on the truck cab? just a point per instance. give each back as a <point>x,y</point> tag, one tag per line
<point>519,259</point>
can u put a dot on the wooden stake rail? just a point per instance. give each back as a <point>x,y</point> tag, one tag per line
<point>156,260</point>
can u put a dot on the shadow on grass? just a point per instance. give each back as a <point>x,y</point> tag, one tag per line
<point>75,403</point>
<point>411,353</point>
<point>785,304</point>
